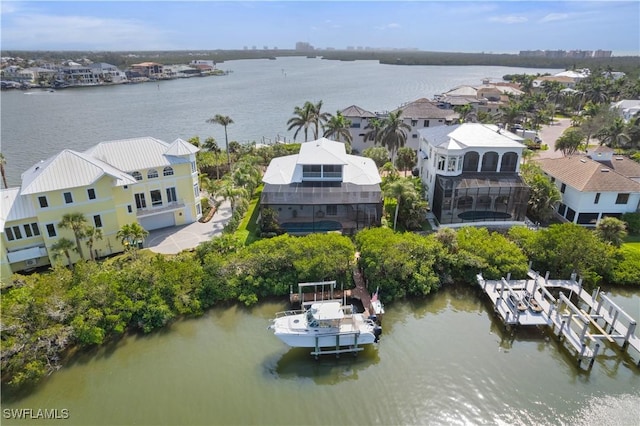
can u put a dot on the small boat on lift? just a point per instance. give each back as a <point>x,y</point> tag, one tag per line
<point>532,302</point>
<point>327,324</point>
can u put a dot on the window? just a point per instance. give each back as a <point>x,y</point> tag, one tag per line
<point>414,136</point>
<point>43,202</point>
<point>441,162</point>
<point>193,167</point>
<point>51,230</point>
<point>597,199</point>
<point>198,209</point>
<point>332,210</point>
<point>91,193</point>
<point>31,229</point>
<point>452,164</point>
<point>13,233</point>
<point>141,202</point>
<point>563,187</point>
<point>196,190</point>
<point>414,123</point>
<point>156,197</point>
<point>168,171</point>
<point>152,174</point>
<point>426,123</point>
<point>355,125</point>
<point>129,209</point>
<point>171,195</point>
<point>68,198</point>
<point>97,220</point>
<point>622,199</point>
<point>137,175</point>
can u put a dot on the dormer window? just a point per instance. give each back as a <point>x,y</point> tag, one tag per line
<point>152,174</point>
<point>137,175</point>
<point>331,172</point>
<point>168,171</point>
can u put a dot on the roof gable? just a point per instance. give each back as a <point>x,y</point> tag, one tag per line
<point>471,135</point>
<point>322,151</point>
<point>68,169</point>
<point>14,206</point>
<point>356,111</point>
<point>180,148</point>
<point>424,108</point>
<point>587,175</point>
<point>136,153</point>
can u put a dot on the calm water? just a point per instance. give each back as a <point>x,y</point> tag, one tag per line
<point>442,361</point>
<point>259,95</point>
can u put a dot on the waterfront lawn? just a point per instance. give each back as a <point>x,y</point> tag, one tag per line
<point>248,230</point>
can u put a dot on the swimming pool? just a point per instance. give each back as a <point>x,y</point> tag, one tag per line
<point>484,215</point>
<point>309,227</point>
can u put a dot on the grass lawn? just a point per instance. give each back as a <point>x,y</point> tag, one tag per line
<point>633,247</point>
<point>247,231</point>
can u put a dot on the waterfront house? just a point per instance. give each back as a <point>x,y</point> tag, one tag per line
<point>143,180</point>
<point>360,119</point>
<point>151,70</point>
<point>421,114</point>
<point>487,97</point>
<point>627,109</point>
<point>595,185</point>
<point>323,188</point>
<point>471,172</point>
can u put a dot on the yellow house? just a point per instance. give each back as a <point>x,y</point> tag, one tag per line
<point>114,183</point>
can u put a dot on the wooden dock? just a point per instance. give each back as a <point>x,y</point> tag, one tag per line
<point>596,321</point>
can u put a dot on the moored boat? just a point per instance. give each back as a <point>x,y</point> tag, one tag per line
<point>327,324</point>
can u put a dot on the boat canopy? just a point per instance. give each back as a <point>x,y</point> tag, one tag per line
<point>327,311</point>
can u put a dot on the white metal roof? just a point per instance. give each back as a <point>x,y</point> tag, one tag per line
<point>135,154</point>
<point>179,148</point>
<point>14,206</point>
<point>322,151</point>
<point>471,135</point>
<point>69,169</point>
<point>357,170</point>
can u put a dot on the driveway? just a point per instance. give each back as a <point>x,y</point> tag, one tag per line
<point>176,239</point>
<point>549,134</point>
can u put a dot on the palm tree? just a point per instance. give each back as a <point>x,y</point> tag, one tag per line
<point>338,127</point>
<point>401,190</point>
<point>228,190</point>
<point>319,118</point>
<point>375,130</point>
<point>131,235</point>
<point>394,132</point>
<point>406,159</point>
<point>223,120</point>
<point>92,234</point>
<point>3,162</point>
<point>302,120</point>
<point>63,246</point>
<point>467,113</point>
<point>612,230</point>
<point>614,135</point>
<point>77,223</point>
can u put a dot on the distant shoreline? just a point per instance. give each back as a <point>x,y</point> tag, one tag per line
<point>628,64</point>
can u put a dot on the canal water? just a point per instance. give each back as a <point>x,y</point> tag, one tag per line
<point>445,360</point>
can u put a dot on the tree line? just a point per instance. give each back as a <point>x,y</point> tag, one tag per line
<point>45,317</point>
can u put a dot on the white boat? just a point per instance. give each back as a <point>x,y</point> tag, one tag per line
<point>326,324</point>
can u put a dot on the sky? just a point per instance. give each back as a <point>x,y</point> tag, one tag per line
<point>446,26</point>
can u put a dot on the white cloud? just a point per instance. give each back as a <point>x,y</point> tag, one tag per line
<point>391,26</point>
<point>37,31</point>
<point>508,19</point>
<point>555,17</point>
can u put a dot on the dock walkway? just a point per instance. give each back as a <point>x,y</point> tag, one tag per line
<point>585,327</point>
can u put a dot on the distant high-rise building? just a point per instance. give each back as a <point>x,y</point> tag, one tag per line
<point>303,46</point>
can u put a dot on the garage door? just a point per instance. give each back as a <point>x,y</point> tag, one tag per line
<point>158,221</point>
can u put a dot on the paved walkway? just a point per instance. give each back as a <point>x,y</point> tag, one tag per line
<point>176,239</point>
<point>549,134</point>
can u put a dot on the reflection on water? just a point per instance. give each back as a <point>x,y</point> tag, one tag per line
<point>444,360</point>
<point>297,363</point>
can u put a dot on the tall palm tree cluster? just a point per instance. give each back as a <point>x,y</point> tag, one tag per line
<point>588,104</point>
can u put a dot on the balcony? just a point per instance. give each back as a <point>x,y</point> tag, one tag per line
<point>163,208</point>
